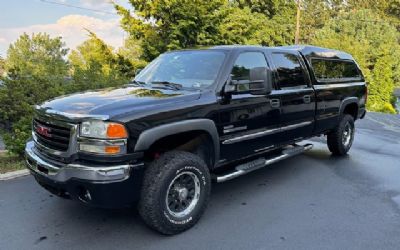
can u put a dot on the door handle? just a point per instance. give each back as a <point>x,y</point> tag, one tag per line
<point>275,103</point>
<point>307,99</point>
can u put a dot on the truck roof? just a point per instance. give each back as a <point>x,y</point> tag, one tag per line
<point>314,51</point>
<point>308,51</point>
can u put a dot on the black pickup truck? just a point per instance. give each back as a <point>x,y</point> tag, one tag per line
<point>189,118</point>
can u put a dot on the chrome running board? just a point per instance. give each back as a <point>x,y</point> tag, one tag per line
<point>262,162</point>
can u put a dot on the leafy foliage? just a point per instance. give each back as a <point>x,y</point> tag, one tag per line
<point>36,70</point>
<point>132,51</point>
<point>10,163</point>
<point>16,139</point>
<point>171,24</point>
<point>242,26</point>
<point>174,24</point>
<point>375,46</point>
<point>95,66</point>
<point>2,66</point>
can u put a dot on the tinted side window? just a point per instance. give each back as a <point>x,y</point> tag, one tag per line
<point>335,70</point>
<point>243,64</point>
<point>290,71</point>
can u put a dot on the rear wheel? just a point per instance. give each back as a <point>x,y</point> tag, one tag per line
<point>341,138</point>
<point>175,192</point>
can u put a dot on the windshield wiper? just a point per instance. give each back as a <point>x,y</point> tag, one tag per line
<point>137,83</point>
<point>175,86</point>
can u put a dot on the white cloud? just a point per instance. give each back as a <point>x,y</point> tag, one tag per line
<point>71,28</point>
<point>96,3</point>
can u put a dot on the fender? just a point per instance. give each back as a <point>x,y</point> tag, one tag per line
<point>346,102</point>
<point>148,137</point>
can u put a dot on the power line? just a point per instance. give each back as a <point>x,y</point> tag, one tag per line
<point>79,7</point>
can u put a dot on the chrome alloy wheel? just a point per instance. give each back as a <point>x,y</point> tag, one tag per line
<point>347,134</point>
<point>183,194</point>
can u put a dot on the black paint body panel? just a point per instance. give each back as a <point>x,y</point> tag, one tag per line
<point>247,113</point>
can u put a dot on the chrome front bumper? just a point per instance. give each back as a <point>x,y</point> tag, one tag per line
<point>100,173</point>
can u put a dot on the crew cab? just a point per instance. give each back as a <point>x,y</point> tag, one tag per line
<point>189,118</point>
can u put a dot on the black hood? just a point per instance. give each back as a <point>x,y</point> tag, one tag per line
<point>117,101</point>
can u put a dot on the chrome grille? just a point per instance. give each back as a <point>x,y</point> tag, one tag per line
<point>52,136</point>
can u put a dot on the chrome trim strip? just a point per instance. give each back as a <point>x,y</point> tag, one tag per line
<point>54,120</point>
<point>264,148</point>
<point>84,172</point>
<point>298,125</point>
<point>244,168</point>
<point>67,116</point>
<point>110,142</point>
<point>234,129</point>
<point>326,85</point>
<point>266,132</point>
<point>251,136</point>
<point>72,147</point>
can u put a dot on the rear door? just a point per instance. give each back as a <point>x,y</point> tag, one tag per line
<point>297,97</point>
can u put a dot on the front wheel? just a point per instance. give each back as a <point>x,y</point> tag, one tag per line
<point>341,138</point>
<point>175,192</point>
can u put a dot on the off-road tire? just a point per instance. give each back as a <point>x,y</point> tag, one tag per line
<point>158,177</point>
<point>336,139</point>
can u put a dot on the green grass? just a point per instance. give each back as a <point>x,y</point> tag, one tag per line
<point>10,163</point>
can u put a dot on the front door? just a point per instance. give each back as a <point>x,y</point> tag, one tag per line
<point>248,123</point>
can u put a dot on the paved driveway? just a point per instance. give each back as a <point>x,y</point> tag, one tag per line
<point>312,201</point>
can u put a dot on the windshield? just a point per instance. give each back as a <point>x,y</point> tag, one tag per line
<point>191,69</point>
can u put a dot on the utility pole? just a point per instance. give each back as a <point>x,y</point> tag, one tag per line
<point>297,35</point>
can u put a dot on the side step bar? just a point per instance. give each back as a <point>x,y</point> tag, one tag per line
<point>262,162</point>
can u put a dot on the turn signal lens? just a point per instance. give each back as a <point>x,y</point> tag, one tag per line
<point>112,149</point>
<point>115,130</point>
<point>102,149</point>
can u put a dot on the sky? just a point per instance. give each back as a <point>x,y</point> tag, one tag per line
<point>33,16</point>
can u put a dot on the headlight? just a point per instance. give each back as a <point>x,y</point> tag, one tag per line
<point>103,130</point>
<point>99,137</point>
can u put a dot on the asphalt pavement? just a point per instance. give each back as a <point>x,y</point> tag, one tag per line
<point>311,201</point>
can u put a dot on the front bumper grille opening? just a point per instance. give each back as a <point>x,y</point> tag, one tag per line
<point>42,169</point>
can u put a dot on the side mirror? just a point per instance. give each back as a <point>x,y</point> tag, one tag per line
<point>259,83</point>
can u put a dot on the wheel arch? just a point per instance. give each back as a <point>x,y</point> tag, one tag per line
<point>349,106</point>
<point>195,128</point>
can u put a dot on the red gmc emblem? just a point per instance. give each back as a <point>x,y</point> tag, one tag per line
<point>43,131</point>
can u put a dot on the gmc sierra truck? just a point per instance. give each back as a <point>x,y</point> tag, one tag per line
<point>189,118</point>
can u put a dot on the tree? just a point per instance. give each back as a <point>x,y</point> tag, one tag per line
<point>94,65</point>
<point>36,71</point>
<point>270,8</point>
<point>242,26</point>
<point>2,66</point>
<point>132,52</point>
<point>163,25</point>
<point>314,15</point>
<point>374,43</point>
